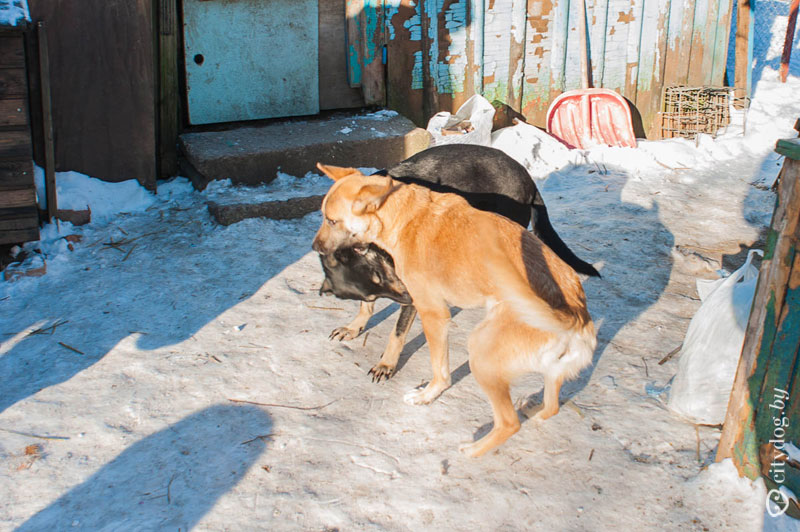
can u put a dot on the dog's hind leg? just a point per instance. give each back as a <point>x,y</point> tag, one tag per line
<point>434,323</point>
<point>552,388</point>
<point>489,345</point>
<point>385,367</point>
<point>354,328</point>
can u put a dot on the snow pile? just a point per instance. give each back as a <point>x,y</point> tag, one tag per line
<point>76,191</point>
<point>14,12</point>
<point>721,485</point>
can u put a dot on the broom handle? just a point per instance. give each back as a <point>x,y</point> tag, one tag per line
<point>584,45</point>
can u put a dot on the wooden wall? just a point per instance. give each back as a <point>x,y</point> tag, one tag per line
<point>19,217</point>
<point>102,70</point>
<point>525,52</point>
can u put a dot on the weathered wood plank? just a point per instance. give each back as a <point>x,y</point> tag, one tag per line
<point>538,50</point>
<point>15,144</point>
<point>679,42</point>
<point>635,51</point>
<point>696,75</point>
<point>560,28</point>
<point>22,197</point>
<point>741,50</point>
<point>12,83</point>
<point>373,73</point>
<point>615,72</point>
<point>168,125</point>
<point>18,236</point>
<point>14,112</point>
<point>47,121</point>
<point>12,51</point>
<point>598,20</point>
<point>404,60</point>
<point>16,174</point>
<point>652,57</point>
<point>789,148</point>
<point>427,19</point>
<point>28,222</point>
<point>497,50</point>
<point>722,32</point>
<point>516,54</point>
<point>334,91</point>
<point>353,34</point>
<point>454,60</point>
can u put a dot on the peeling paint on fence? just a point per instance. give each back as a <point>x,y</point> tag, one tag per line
<point>523,53</point>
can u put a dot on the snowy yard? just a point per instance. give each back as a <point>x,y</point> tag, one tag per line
<point>130,365</point>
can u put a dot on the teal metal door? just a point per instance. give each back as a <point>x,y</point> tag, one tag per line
<point>250,59</point>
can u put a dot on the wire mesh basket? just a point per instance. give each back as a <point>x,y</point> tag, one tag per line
<point>688,111</point>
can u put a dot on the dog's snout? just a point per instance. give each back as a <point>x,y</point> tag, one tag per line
<point>317,246</point>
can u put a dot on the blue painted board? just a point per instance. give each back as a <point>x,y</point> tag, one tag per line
<point>250,59</point>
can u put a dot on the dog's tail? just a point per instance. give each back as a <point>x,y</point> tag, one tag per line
<point>535,311</point>
<point>544,230</point>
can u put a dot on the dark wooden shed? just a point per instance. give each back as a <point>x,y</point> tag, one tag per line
<point>19,217</point>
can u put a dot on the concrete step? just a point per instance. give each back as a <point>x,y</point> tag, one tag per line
<point>251,155</point>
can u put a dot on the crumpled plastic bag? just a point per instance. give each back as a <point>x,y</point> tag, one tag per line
<point>472,124</point>
<point>712,346</point>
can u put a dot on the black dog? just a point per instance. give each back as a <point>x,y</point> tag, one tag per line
<point>489,180</point>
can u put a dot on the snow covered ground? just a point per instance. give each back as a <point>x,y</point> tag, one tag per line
<point>126,370</point>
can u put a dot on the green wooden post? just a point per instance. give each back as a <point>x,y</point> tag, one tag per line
<point>764,409</point>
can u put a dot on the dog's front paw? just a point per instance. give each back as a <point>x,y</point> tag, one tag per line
<point>381,371</point>
<point>423,396</point>
<point>470,449</point>
<point>344,333</point>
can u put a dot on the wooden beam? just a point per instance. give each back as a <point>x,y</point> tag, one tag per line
<point>771,338</point>
<point>47,123</point>
<point>168,97</point>
<point>787,43</point>
<point>743,23</point>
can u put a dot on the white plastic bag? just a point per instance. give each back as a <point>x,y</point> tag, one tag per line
<point>472,124</point>
<point>710,352</point>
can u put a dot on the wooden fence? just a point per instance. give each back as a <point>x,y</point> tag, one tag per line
<point>764,409</point>
<point>523,53</point>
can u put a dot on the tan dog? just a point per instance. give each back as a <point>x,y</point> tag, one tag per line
<point>450,254</point>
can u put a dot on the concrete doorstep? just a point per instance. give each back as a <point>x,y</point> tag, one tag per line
<point>254,155</point>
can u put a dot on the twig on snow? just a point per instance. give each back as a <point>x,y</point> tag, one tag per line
<point>370,448</point>
<point>28,434</point>
<point>261,437</point>
<point>670,355</point>
<point>48,330</point>
<point>277,405</point>
<point>646,370</point>
<point>324,308</point>
<point>129,252</point>
<point>169,485</point>
<point>62,344</point>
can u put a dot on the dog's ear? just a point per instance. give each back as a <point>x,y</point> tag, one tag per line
<point>370,198</point>
<point>336,172</point>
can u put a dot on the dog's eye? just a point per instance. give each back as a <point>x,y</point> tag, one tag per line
<point>330,222</point>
